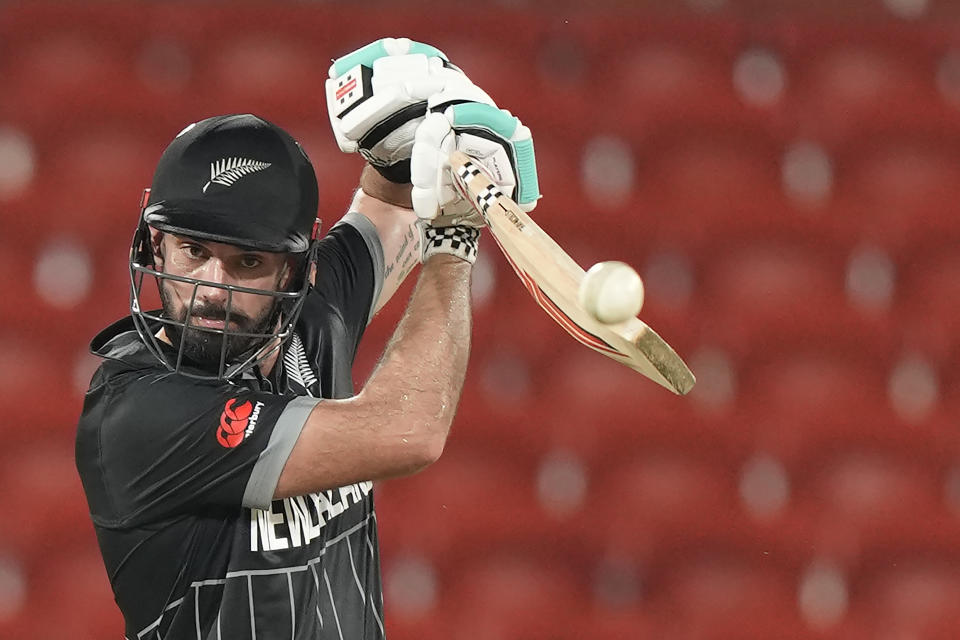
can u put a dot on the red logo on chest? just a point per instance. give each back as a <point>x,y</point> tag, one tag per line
<point>233,423</point>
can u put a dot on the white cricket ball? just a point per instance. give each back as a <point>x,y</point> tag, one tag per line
<point>611,292</point>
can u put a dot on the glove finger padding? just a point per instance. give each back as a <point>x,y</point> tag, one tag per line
<point>379,94</point>
<point>499,142</point>
<point>434,196</point>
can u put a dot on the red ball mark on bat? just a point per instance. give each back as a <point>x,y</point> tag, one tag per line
<point>233,423</point>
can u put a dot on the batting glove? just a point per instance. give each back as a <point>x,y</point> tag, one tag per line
<point>499,142</point>
<point>380,93</point>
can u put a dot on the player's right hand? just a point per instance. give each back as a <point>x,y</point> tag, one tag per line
<point>379,94</point>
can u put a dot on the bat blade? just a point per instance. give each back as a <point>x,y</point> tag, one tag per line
<point>553,279</point>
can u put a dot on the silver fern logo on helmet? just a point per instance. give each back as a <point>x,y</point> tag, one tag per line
<point>228,170</point>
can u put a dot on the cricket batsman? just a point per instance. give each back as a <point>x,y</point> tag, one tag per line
<point>227,461</point>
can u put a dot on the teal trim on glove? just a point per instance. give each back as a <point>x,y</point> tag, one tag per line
<point>528,185</point>
<point>367,55</point>
<point>505,126</point>
<point>483,115</point>
<point>427,50</point>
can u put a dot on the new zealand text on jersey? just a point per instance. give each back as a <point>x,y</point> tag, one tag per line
<point>294,522</point>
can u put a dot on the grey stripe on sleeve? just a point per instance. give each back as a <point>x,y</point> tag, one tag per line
<point>266,472</point>
<point>370,236</point>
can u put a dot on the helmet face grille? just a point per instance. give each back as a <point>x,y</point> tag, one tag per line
<point>228,351</point>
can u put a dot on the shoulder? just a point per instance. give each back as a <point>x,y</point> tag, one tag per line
<point>129,406</point>
<point>154,442</point>
<point>131,374</point>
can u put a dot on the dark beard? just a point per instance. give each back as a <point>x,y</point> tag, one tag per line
<point>204,347</point>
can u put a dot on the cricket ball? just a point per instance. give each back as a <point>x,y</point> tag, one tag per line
<point>611,292</point>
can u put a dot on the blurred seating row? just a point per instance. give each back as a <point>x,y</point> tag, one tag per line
<point>709,598</point>
<point>127,61</point>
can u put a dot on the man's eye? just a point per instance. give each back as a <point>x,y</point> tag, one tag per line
<point>193,250</point>
<point>250,262</point>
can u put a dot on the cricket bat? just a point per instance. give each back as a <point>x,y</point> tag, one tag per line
<point>553,279</point>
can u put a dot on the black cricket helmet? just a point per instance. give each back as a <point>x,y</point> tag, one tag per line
<point>240,180</point>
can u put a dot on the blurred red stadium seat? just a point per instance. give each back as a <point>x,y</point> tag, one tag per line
<point>665,494</point>
<point>897,186</point>
<point>39,399</point>
<point>263,74</point>
<point>606,412</point>
<point>866,504</point>
<point>724,596</point>
<point>510,597</point>
<point>798,401</point>
<point>42,487</point>
<point>929,298</point>
<point>39,323</point>
<point>661,70</point>
<point>841,76</point>
<point>624,624</point>
<point>69,589</point>
<point>700,181</point>
<point>912,596</point>
<point>760,295</point>
<point>99,175</point>
<point>772,278</point>
<point>90,74</point>
<point>666,76</point>
<point>437,513</point>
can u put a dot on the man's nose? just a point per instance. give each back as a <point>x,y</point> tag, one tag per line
<point>213,271</point>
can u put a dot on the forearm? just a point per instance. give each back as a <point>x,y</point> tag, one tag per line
<point>398,424</point>
<point>420,377</point>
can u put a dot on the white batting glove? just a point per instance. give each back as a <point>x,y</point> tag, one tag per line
<point>379,94</point>
<point>499,142</point>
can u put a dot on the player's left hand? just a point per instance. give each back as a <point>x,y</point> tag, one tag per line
<point>379,94</point>
<point>499,142</point>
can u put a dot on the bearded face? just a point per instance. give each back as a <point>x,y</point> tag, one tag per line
<point>214,297</point>
<point>206,329</point>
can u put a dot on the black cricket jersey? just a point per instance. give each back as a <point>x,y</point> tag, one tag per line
<point>179,475</point>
